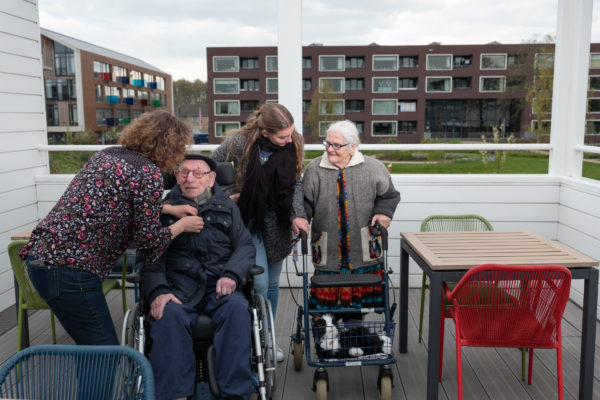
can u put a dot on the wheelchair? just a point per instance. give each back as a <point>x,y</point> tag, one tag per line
<point>138,322</point>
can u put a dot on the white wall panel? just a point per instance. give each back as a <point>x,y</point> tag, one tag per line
<point>23,9</point>
<point>22,84</point>
<point>15,103</point>
<point>18,26</point>
<point>23,123</point>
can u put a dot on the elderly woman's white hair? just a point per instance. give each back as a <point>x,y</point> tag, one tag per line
<point>347,129</point>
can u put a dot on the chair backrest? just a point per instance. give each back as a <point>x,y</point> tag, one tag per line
<point>64,372</point>
<point>512,305</point>
<point>464,222</point>
<point>31,298</point>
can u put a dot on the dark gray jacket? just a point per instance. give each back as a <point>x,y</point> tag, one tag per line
<point>223,249</point>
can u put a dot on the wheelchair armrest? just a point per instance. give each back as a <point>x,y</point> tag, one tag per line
<point>256,270</point>
<point>134,277</point>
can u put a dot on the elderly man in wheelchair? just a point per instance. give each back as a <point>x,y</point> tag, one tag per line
<point>201,273</point>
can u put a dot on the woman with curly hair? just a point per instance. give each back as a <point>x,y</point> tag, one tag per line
<point>114,200</point>
<point>268,156</point>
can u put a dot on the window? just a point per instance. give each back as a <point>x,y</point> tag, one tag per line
<point>271,63</point>
<point>407,83</point>
<point>463,61</point>
<point>143,95</point>
<point>438,84</point>
<point>385,63</point>
<point>384,107</point>
<point>331,107</point>
<point>122,116</point>
<point>355,84</point>
<point>98,91</point>
<point>407,106</point>
<point>225,64</point>
<point>543,125</point>
<point>331,63</point>
<point>384,128</point>
<point>271,100</point>
<point>160,83</point>
<point>592,127</point>
<point>595,60</point>
<point>119,73</point>
<point>149,81</point>
<point>135,78</point>
<point>355,106</point>
<point>72,114</point>
<point>407,127</point>
<point>226,86</point>
<point>305,105</point>
<point>100,69</point>
<point>306,63</point>
<point>594,83</point>
<point>323,125</point>
<point>516,82</point>
<point>64,60</point>
<point>60,89</point>
<point>493,61</point>
<point>331,85</point>
<point>228,107</point>
<point>385,85</point>
<point>515,60</point>
<point>594,105</point>
<point>360,127</point>
<point>355,62</point>
<point>409,61</point>
<point>438,62</point>
<point>112,95</point>
<point>306,128</point>
<point>52,114</point>
<point>222,127</point>
<point>136,113</point>
<point>249,85</point>
<point>492,84</point>
<point>102,114</point>
<point>462,83</point>
<point>249,63</point>
<point>272,85</point>
<point>306,85</point>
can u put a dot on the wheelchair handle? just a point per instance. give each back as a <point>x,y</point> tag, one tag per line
<point>304,242</point>
<point>379,230</point>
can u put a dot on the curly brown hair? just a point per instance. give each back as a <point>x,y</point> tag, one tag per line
<point>272,117</point>
<point>160,136</point>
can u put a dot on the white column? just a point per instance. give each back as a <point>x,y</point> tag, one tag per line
<point>571,69</point>
<point>289,58</point>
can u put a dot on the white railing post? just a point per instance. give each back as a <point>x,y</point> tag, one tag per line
<point>289,58</point>
<point>571,68</point>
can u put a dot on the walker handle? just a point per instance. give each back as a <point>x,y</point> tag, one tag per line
<point>304,242</point>
<point>379,230</point>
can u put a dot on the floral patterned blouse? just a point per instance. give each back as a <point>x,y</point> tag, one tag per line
<point>114,201</point>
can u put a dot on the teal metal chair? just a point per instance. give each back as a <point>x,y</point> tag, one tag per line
<point>29,298</point>
<point>70,372</point>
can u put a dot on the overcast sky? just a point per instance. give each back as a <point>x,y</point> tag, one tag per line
<point>173,34</point>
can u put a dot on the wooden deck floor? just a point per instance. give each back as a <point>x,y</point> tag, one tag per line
<point>487,373</point>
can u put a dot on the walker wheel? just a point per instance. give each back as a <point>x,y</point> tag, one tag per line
<point>298,351</point>
<point>385,391</point>
<point>321,386</point>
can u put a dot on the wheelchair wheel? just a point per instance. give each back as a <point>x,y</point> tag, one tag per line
<point>268,346</point>
<point>298,352</point>
<point>321,389</point>
<point>385,391</point>
<point>130,327</point>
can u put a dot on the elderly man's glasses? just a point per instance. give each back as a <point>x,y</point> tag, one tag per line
<point>198,173</point>
<point>336,146</point>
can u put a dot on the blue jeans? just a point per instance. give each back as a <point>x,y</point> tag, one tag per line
<point>267,283</point>
<point>77,300</point>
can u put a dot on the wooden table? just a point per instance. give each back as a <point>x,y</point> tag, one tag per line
<point>22,235</point>
<point>446,256</point>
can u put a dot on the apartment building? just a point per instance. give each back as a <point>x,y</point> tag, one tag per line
<point>94,88</point>
<point>397,94</point>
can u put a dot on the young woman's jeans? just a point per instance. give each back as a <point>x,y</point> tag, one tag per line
<point>77,300</point>
<point>266,283</point>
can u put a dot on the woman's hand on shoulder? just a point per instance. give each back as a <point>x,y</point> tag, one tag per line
<point>383,220</point>
<point>190,223</point>
<point>300,223</point>
<point>179,211</point>
<point>235,197</point>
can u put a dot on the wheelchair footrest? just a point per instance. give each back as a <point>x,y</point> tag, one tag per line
<point>344,280</point>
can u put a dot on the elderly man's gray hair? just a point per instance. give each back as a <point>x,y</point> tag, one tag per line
<point>347,129</point>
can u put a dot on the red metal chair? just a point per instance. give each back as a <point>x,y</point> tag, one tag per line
<point>497,305</point>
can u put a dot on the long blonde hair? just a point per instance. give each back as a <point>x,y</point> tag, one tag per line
<point>272,117</point>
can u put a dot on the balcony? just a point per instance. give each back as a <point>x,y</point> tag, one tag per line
<point>144,102</point>
<point>156,103</point>
<point>107,76</point>
<point>129,101</point>
<point>151,85</point>
<point>137,82</point>
<point>113,99</point>
<point>123,79</point>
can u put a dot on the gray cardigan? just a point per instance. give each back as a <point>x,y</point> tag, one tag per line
<point>370,191</point>
<point>278,239</point>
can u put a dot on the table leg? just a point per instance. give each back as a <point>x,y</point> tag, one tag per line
<point>588,337</point>
<point>25,323</point>
<point>403,301</point>
<point>433,358</point>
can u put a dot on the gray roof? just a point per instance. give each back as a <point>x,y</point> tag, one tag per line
<point>92,48</point>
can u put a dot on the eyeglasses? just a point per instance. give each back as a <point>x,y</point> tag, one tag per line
<point>336,146</point>
<point>198,173</point>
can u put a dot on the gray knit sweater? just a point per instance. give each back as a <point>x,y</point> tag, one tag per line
<point>370,191</point>
<point>278,240</point>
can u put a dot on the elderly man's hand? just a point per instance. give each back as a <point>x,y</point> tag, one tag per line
<point>158,304</point>
<point>383,220</point>
<point>225,286</point>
